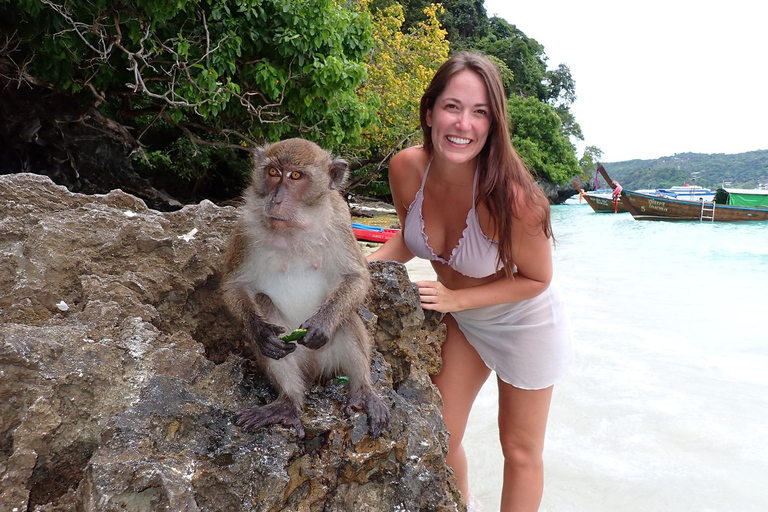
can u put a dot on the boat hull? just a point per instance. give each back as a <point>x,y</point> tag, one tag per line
<point>367,233</point>
<point>648,207</point>
<point>604,205</point>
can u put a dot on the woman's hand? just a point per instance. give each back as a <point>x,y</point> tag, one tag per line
<point>435,296</point>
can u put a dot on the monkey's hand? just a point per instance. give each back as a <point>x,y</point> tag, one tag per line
<point>318,333</point>
<point>265,336</point>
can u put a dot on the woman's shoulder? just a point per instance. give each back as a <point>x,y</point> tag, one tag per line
<point>409,159</point>
<point>408,165</point>
<point>406,169</point>
<point>529,205</point>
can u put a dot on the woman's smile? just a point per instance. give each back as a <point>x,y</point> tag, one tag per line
<point>457,140</point>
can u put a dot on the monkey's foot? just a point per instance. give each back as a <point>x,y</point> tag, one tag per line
<point>278,412</point>
<point>375,408</point>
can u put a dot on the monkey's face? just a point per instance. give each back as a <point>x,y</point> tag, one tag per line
<point>289,188</point>
<point>294,178</point>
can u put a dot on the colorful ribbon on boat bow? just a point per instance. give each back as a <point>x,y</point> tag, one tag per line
<point>616,196</point>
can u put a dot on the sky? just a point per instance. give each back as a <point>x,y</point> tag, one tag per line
<point>656,78</point>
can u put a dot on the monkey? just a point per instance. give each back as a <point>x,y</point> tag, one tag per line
<point>293,262</point>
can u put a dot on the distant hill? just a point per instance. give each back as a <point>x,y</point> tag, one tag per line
<point>742,170</point>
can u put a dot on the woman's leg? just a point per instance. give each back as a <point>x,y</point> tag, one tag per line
<point>459,381</point>
<point>522,423</point>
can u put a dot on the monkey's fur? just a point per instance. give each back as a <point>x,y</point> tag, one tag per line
<point>293,262</point>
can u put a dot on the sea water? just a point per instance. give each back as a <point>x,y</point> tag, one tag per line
<point>666,405</point>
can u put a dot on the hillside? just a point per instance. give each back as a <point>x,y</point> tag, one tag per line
<point>742,170</point>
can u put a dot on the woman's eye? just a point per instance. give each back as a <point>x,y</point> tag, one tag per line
<point>295,175</point>
<point>482,112</point>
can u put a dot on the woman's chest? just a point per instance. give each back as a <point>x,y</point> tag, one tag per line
<point>447,217</point>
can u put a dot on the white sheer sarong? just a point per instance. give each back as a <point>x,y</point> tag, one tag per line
<point>528,344</point>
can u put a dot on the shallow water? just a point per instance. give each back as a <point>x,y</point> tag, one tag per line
<point>666,405</point>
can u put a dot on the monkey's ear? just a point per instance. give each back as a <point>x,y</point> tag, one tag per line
<point>338,171</point>
<point>258,155</point>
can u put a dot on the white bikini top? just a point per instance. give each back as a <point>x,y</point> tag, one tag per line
<point>475,255</point>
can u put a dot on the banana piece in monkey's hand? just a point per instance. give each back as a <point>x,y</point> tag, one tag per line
<point>293,336</point>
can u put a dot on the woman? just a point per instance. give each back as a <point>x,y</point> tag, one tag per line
<point>467,203</point>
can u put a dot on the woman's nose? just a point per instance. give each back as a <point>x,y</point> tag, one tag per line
<point>463,122</point>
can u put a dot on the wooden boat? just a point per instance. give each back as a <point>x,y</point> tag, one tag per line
<point>368,233</point>
<point>601,202</point>
<point>653,207</point>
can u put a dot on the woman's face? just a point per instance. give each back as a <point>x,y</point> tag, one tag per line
<point>460,118</point>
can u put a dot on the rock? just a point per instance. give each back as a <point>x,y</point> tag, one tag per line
<point>125,399</point>
<point>48,133</point>
<point>557,194</point>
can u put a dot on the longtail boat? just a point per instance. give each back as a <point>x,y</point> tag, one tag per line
<point>654,207</point>
<point>601,202</point>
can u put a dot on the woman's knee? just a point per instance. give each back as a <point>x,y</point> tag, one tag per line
<point>522,455</point>
<point>522,424</point>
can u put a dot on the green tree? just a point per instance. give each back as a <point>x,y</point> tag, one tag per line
<point>589,162</point>
<point>523,55</point>
<point>465,21</point>
<point>228,73</point>
<point>413,10</point>
<point>590,159</point>
<point>537,136</point>
<point>526,59</point>
<point>400,68</point>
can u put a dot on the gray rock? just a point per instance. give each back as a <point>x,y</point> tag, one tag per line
<point>557,194</point>
<point>120,374</point>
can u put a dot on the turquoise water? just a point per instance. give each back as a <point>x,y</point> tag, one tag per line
<point>697,286</point>
<point>666,405</point>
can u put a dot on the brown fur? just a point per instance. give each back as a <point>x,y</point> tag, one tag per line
<point>293,262</point>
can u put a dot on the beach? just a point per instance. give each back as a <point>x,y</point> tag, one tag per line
<point>665,406</point>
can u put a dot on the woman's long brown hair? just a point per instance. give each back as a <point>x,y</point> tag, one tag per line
<point>504,181</point>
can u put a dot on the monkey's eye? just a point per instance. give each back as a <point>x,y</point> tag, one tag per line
<point>271,171</point>
<point>295,175</point>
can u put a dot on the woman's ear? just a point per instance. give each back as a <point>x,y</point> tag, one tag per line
<point>428,117</point>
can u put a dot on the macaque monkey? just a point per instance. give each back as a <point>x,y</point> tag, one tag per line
<point>293,262</point>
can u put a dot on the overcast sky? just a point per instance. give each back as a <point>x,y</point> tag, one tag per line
<point>657,77</point>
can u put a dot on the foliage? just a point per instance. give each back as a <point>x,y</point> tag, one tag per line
<point>400,68</point>
<point>413,10</point>
<point>196,81</point>
<point>225,72</point>
<point>590,159</point>
<point>465,21</point>
<point>742,170</point>
<point>522,65</point>
<point>527,61</point>
<point>538,138</point>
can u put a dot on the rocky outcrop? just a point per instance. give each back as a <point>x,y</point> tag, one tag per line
<point>45,132</point>
<point>120,374</point>
<point>557,194</point>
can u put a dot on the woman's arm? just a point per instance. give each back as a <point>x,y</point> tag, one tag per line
<point>404,181</point>
<point>393,249</point>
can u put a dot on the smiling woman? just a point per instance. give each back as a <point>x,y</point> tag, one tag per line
<point>459,120</point>
<point>468,205</point>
